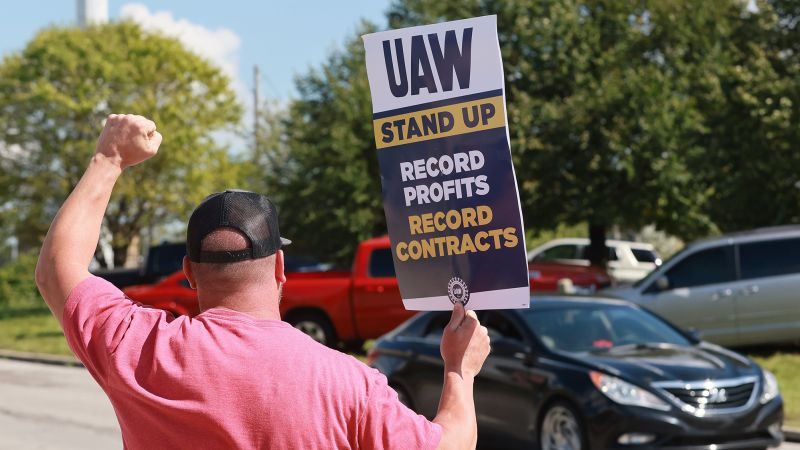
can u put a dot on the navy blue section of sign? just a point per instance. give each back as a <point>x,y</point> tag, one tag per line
<point>437,104</point>
<point>428,276</point>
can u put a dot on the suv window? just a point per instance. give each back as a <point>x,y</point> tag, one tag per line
<point>645,256</point>
<point>381,264</point>
<point>558,252</point>
<point>770,258</point>
<point>165,259</point>
<point>584,249</point>
<point>710,266</point>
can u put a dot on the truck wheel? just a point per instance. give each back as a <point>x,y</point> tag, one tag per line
<point>315,325</point>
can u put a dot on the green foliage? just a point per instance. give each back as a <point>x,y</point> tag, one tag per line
<point>561,231</point>
<point>785,364</point>
<point>328,187</point>
<point>17,286</point>
<point>54,96</point>
<point>680,114</point>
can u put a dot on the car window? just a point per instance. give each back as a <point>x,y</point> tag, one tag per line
<point>557,252</point>
<point>381,264</point>
<point>500,326</point>
<point>583,250</point>
<point>770,258</point>
<point>185,283</point>
<point>645,256</point>
<point>710,266</point>
<point>435,327</point>
<point>166,258</point>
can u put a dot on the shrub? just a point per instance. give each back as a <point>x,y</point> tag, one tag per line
<point>17,285</point>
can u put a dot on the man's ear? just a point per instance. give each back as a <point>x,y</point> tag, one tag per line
<point>187,270</point>
<point>280,276</point>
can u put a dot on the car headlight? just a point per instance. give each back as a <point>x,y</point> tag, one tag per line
<point>770,387</point>
<point>626,393</point>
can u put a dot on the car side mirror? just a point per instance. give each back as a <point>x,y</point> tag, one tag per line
<point>512,348</point>
<point>695,334</point>
<point>662,283</point>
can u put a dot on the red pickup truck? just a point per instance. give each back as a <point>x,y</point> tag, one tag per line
<point>331,307</point>
<point>335,307</point>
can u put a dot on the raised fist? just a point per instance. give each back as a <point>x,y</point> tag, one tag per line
<point>128,139</point>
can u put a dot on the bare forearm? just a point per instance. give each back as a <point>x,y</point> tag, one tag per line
<point>71,241</point>
<point>456,412</point>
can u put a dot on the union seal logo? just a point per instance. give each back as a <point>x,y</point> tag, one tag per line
<point>457,291</point>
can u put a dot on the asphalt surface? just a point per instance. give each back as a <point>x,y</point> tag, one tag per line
<point>55,407</point>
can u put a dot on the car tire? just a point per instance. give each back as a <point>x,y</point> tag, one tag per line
<point>315,325</point>
<point>561,428</point>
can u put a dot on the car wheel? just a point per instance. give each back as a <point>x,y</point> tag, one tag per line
<point>560,428</point>
<point>315,325</point>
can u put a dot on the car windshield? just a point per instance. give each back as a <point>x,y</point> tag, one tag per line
<point>599,327</point>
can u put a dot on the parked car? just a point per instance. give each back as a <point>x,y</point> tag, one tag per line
<point>627,261</point>
<point>330,306</point>
<point>574,373</point>
<point>162,260</point>
<point>336,307</point>
<point>166,258</point>
<point>545,277</point>
<point>737,289</point>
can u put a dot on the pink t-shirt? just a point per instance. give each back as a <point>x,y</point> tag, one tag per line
<point>225,380</point>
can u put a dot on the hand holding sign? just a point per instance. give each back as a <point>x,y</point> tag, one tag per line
<point>465,343</point>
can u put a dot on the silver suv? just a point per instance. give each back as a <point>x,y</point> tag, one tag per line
<point>738,289</point>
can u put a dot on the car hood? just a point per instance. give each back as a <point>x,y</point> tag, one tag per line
<point>623,292</point>
<point>670,363</point>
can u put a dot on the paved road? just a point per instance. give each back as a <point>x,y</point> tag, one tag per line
<point>54,407</point>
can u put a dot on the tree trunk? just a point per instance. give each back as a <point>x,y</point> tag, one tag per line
<point>597,252</point>
<point>120,255</point>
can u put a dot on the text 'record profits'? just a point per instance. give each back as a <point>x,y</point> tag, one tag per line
<point>449,190</point>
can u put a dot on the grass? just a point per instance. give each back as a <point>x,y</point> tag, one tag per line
<point>785,364</point>
<point>31,330</point>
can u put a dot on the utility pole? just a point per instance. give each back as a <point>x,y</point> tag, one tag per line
<point>256,105</point>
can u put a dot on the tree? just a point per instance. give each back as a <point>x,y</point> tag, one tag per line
<point>621,112</point>
<point>328,187</point>
<point>633,113</point>
<point>54,96</point>
<point>751,107</point>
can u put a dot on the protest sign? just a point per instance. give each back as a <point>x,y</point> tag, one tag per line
<point>449,189</point>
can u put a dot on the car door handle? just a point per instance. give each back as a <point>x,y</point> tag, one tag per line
<point>750,290</point>
<point>722,293</point>
<point>378,289</point>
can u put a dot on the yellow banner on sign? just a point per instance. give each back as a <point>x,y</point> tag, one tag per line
<point>434,123</point>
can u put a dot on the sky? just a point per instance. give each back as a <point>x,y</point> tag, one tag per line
<point>285,38</point>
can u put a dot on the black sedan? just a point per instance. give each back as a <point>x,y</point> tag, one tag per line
<point>581,373</point>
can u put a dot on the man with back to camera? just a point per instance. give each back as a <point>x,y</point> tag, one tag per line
<point>235,376</point>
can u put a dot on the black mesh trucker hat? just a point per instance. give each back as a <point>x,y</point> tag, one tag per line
<point>252,214</point>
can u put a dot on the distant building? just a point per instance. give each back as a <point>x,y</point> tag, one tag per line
<point>92,12</point>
